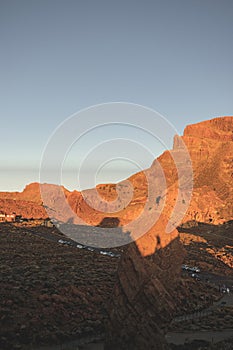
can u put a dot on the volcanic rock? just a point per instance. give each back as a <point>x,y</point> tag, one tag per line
<point>142,302</point>
<point>210,146</point>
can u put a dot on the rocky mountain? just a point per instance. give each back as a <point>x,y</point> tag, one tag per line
<point>144,297</point>
<point>27,203</point>
<point>210,146</point>
<point>193,181</point>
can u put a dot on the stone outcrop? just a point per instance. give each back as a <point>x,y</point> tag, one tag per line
<point>210,145</point>
<point>143,298</point>
<point>27,203</point>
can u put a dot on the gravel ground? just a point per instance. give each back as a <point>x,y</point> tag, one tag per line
<point>49,292</point>
<point>52,293</point>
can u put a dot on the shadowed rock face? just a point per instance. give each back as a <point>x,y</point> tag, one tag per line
<point>142,302</point>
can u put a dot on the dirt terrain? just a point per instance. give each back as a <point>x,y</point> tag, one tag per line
<point>52,293</point>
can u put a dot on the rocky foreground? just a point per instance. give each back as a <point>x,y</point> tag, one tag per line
<point>51,293</point>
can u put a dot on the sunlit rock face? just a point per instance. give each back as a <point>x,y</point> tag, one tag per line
<point>143,298</point>
<point>210,145</point>
<point>143,302</point>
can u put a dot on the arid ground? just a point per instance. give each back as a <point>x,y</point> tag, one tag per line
<point>52,293</point>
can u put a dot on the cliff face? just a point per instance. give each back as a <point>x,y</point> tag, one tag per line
<point>31,193</point>
<point>143,298</point>
<point>210,145</point>
<point>27,203</point>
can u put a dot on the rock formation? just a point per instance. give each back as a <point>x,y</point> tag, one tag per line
<point>210,145</point>
<point>143,298</point>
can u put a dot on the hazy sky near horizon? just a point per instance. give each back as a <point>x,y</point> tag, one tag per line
<point>58,57</point>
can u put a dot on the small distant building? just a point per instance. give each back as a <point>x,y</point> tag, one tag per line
<point>10,217</point>
<point>2,217</point>
<point>7,217</point>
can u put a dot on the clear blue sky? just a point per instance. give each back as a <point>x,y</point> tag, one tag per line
<point>58,57</point>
